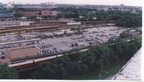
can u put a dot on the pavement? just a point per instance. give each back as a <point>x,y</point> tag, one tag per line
<point>110,77</point>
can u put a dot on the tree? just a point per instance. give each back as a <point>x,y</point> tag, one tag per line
<point>79,67</point>
<point>78,30</point>
<point>124,47</point>
<point>32,17</point>
<point>88,58</point>
<point>46,70</point>
<point>17,15</point>
<point>84,67</point>
<point>125,35</point>
<point>100,51</point>
<point>61,72</point>
<point>60,60</point>
<point>132,49</point>
<point>119,47</point>
<point>7,73</point>
<point>137,41</point>
<point>100,63</point>
<point>46,17</point>
<point>130,21</point>
<point>70,68</point>
<point>117,50</point>
<point>80,57</point>
<point>65,32</point>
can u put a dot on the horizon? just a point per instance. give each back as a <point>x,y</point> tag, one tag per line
<point>80,2</point>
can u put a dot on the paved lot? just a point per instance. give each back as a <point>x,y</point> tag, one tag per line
<point>48,46</point>
<point>91,36</point>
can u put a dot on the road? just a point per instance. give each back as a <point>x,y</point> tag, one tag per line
<point>110,77</point>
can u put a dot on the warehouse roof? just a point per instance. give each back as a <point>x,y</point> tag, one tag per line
<point>22,53</point>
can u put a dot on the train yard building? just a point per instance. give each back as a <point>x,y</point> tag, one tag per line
<point>22,53</point>
<point>18,50</point>
<point>14,23</point>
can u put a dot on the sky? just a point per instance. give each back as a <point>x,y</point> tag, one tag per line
<point>93,2</point>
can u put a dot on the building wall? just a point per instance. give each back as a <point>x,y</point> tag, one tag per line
<point>54,13</point>
<point>14,23</point>
<point>74,23</point>
<point>38,14</point>
<point>26,14</point>
<point>6,19</point>
<point>24,23</point>
<point>22,53</point>
<point>45,13</point>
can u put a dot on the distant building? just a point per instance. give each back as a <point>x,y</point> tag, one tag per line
<point>54,13</point>
<point>38,10</point>
<point>94,18</point>
<point>133,11</point>
<point>81,17</point>
<point>37,13</point>
<point>65,19</point>
<point>6,17</point>
<point>74,23</point>
<point>27,36</point>
<point>14,23</point>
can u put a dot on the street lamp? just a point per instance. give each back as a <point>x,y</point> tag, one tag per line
<point>100,75</point>
<point>100,72</point>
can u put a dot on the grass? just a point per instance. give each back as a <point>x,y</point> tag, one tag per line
<point>94,75</point>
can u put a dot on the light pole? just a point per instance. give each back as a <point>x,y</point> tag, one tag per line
<point>100,75</point>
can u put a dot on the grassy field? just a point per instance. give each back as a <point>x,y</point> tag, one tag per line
<point>94,75</point>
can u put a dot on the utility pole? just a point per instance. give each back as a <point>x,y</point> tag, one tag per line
<point>100,75</point>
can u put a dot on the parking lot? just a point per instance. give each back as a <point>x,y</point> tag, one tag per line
<point>48,46</point>
<point>92,36</point>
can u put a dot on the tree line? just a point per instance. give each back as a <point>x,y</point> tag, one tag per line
<point>122,18</point>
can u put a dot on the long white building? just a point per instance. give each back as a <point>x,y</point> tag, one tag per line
<point>14,23</point>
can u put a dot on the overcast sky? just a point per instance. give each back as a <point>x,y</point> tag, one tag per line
<point>96,2</point>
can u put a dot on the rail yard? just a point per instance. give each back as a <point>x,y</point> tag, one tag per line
<point>25,47</point>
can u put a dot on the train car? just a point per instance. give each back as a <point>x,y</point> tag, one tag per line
<point>40,60</point>
<point>21,65</point>
<point>34,62</point>
<point>27,29</point>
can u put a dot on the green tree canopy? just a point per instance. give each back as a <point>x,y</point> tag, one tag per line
<point>7,73</point>
<point>125,35</point>
<point>46,70</point>
<point>132,49</point>
<point>137,41</point>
